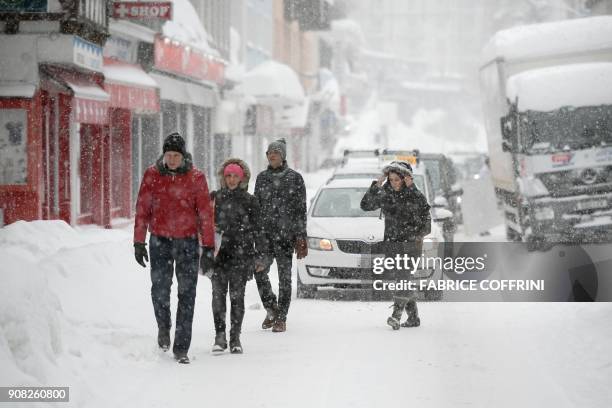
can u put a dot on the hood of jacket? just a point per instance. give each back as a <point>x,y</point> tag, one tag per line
<point>244,184</point>
<point>182,169</point>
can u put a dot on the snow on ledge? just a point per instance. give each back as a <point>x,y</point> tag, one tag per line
<point>551,88</point>
<point>128,74</point>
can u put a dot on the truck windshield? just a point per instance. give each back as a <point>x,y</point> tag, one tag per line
<point>566,128</point>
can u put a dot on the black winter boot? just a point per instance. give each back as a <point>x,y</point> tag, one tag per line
<point>235,346</point>
<point>181,357</point>
<point>163,339</point>
<point>413,315</point>
<point>394,319</point>
<point>220,343</point>
<point>271,314</point>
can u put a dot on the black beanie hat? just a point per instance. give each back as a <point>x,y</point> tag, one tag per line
<point>174,143</point>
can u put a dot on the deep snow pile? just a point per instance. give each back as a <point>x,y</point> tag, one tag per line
<point>75,311</point>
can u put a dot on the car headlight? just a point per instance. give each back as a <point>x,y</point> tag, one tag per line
<point>322,244</point>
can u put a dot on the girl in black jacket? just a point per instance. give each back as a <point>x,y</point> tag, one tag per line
<point>239,252</point>
<point>407,220</point>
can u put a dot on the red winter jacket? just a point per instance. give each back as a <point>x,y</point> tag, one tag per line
<point>174,205</point>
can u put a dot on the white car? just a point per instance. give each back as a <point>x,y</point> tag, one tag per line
<point>340,232</point>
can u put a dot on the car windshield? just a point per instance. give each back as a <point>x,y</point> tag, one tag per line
<point>341,202</point>
<point>355,176</point>
<point>345,202</point>
<point>566,128</point>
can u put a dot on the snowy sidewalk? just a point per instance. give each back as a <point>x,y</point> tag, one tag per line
<point>75,311</point>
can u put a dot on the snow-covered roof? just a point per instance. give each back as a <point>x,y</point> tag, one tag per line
<point>551,88</point>
<point>272,81</point>
<point>187,28</point>
<point>548,39</point>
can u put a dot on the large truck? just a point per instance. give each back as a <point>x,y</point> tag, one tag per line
<point>547,99</point>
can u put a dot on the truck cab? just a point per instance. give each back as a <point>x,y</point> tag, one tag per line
<point>548,115</point>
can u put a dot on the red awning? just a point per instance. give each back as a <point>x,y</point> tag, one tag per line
<point>90,102</point>
<point>130,87</point>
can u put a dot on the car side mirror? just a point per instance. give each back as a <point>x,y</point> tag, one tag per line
<point>440,202</point>
<point>442,214</point>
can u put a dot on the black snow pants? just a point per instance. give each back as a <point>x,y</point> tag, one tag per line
<point>232,276</point>
<point>165,254</point>
<point>282,252</point>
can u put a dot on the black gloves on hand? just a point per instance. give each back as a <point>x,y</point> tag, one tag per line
<point>207,261</point>
<point>140,253</point>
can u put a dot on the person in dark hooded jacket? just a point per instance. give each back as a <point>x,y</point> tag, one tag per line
<point>407,221</point>
<point>281,194</point>
<point>174,206</point>
<point>240,247</point>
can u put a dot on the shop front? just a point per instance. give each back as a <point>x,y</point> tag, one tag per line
<point>53,130</point>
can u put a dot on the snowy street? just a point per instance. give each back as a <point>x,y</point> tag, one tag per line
<point>306,204</point>
<point>75,311</point>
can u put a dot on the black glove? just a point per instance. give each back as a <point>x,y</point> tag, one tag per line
<point>140,253</point>
<point>207,261</point>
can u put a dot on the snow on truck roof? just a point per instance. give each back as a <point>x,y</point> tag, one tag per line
<point>551,88</point>
<point>549,39</point>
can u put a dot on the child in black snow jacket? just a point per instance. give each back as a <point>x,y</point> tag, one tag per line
<point>239,252</point>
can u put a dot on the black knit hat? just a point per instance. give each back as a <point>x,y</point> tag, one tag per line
<point>174,142</point>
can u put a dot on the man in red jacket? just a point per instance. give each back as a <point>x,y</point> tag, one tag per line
<point>174,205</point>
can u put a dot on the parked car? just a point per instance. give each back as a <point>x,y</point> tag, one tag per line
<point>340,233</point>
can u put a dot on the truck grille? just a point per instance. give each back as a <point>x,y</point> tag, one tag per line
<point>574,182</point>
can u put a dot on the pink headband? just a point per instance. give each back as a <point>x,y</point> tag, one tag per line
<point>233,168</point>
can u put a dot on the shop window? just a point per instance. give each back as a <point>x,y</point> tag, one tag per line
<point>201,137</point>
<point>136,158</point>
<point>86,169</point>
<point>118,168</point>
<point>169,118</point>
<point>151,142</point>
<point>13,146</point>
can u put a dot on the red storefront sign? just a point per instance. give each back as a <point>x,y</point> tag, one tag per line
<point>142,10</point>
<point>182,60</point>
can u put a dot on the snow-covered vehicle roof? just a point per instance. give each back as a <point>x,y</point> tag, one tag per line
<point>551,88</point>
<point>574,36</point>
